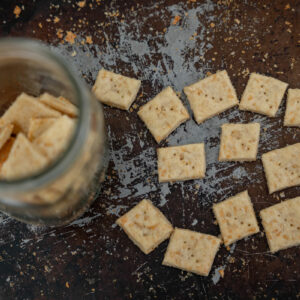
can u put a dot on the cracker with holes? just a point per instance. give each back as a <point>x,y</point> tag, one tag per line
<point>282,224</point>
<point>181,162</point>
<point>116,90</point>
<point>236,218</point>
<point>56,138</point>
<point>211,96</point>
<point>191,251</point>
<point>282,167</point>
<point>37,126</point>
<point>24,108</point>
<point>263,95</point>
<point>146,226</point>
<point>5,133</point>
<point>163,114</point>
<point>60,104</point>
<point>239,142</point>
<point>292,112</point>
<point>23,160</point>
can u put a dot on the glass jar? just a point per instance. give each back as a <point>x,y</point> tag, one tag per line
<point>64,190</point>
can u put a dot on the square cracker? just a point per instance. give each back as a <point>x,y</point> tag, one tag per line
<point>282,224</point>
<point>24,108</point>
<point>37,126</point>
<point>181,162</point>
<point>5,133</point>
<point>60,104</point>
<point>282,167</point>
<point>116,90</point>
<point>56,138</point>
<point>263,94</point>
<point>292,112</point>
<point>211,96</point>
<point>163,114</point>
<point>23,160</point>
<point>191,251</point>
<point>239,142</point>
<point>146,226</point>
<point>236,218</point>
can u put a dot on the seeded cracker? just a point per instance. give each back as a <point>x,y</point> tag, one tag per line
<point>292,113</point>
<point>146,226</point>
<point>282,224</point>
<point>211,96</point>
<point>37,126</point>
<point>163,114</point>
<point>24,108</point>
<point>116,90</point>
<point>60,104</point>
<point>236,218</point>
<point>181,162</point>
<point>263,95</point>
<point>5,133</point>
<point>56,138</point>
<point>191,251</point>
<point>23,160</point>
<point>239,142</point>
<point>282,167</point>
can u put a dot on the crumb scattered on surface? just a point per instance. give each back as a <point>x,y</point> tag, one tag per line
<point>81,4</point>
<point>176,20</point>
<point>70,37</point>
<point>17,11</point>
<point>89,40</point>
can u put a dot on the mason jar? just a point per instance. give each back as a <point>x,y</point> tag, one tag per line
<point>65,189</point>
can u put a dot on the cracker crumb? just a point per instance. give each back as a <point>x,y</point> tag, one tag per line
<point>17,11</point>
<point>59,33</point>
<point>287,6</point>
<point>221,271</point>
<point>212,25</point>
<point>81,4</point>
<point>40,25</point>
<point>67,285</point>
<point>237,21</point>
<point>70,37</point>
<point>56,20</point>
<point>88,40</point>
<point>176,20</point>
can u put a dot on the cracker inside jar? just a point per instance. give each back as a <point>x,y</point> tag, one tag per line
<point>38,131</point>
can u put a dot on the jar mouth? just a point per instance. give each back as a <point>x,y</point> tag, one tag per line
<point>32,49</point>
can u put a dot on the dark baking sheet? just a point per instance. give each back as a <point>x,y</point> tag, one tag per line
<point>92,258</point>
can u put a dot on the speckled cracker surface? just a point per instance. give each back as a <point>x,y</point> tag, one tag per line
<point>282,224</point>
<point>163,114</point>
<point>23,160</point>
<point>56,138</point>
<point>282,167</point>
<point>263,94</point>
<point>24,108</point>
<point>239,142</point>
<point>37,126</point>
<point>146,226</point>
<point>181,162</point>
<point>236,218</point>
<point>211,96</point>
<point>116,90</point>
<point>60,104</point>
<point>191,251</point>
<point>5,133</point>
<point>292,112</point>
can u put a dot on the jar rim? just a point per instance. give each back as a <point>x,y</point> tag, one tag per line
<point>47,175</point>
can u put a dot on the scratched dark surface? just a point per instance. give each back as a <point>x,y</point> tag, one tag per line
<point>92,258</point>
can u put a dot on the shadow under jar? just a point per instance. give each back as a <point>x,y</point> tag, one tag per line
<point>63,190</point>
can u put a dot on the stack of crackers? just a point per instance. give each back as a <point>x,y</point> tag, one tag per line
<point>34,131</point>
<point>192,251</point>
